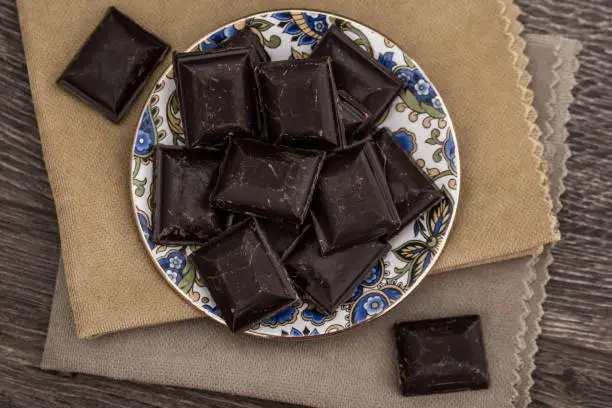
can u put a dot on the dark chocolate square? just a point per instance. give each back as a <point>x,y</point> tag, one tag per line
<point>112,67</point>
<point>217,95</point>
<point>413,192</point>
<point>280,235</point>
<point>444,355</point>
<point>183,180</point>
<point>354,117</point>
<point>299,103</point>
<point>352,203</point>
<point>244,276</point>
<point>244,39</point>
<point>273,182</point>
<point>355,72</point>
<point>329,280</point>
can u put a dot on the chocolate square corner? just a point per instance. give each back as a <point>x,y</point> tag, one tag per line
<point>357,73</point>
<point>202,78</point>
<point>182,180</point>
<point>272,182</point>
<point>111,68</point>
<point>412,190</point>
<point>352,203</point>
<point>244,275</point>
<point>441,355</point>
<point>299,104</point>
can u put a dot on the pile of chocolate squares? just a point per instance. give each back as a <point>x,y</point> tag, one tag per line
<point>283,183</point>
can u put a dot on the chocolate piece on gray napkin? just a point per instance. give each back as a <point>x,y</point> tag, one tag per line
<point>352,203</point>
<point>443,355</point>
<point>273,182</point>
<point>244,276</point>
<point>217,95</point>
<point>112,67</point>
<point>356,73</point>
<point>354,117</point>
<point>299,104</point>
<point>413,192</point>
<point>328,281</point>
<point>183,180</point>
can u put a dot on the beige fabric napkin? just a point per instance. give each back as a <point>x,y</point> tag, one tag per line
<point>469,48</point>
<point>357,368</point>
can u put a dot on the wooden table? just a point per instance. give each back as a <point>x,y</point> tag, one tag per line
<point>575,358</point>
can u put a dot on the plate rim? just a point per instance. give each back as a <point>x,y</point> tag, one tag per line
<point>219,319</point>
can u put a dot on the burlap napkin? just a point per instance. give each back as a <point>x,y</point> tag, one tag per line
<point>357,368</point>
<point>469,48</point>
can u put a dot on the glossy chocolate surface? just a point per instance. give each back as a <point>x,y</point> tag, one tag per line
<point>244,38</point>
<point>355,117</point>
<point>413,192</point>
<point>444,355</point>
<point>244,276</point>
<point>183,180</point>
<point>328,281</point>
<point>358,74</point>
<point>280,235</point>
<point>352,203</point>
<point>273,182</point>
<point>111,68</point>
<point>217,95</point>
<point>299,104</point>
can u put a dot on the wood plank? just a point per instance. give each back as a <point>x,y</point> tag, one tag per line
<point>574,363</point>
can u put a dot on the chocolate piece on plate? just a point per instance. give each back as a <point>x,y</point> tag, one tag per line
<point>355,72</point>
<point>352,203</point>
<point>354,117</point>
<point>217,96</point>
<point>244,276</point>
<point>444,355</point>
<point>244,39</point>
<point>329,280</point>
<point>280,235</point>
<point>413,192</point>
<point>273,182</point>
<point>299,104</point>
<point>111,68</point>
<point>183,180</point>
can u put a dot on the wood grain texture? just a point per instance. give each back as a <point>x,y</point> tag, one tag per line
<point>575,358</point>
<point>574,363</point>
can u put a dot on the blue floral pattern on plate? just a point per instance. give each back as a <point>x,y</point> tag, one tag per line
<point>311,314</point>
<point>369,305</point>
<point>418,120</point>
<point>145,226</point>
<point>145,137</point>
<point>295,332</point>
<point>289,315</point>
<point>375,275</point>
<point>406,139</point>
<point>305,28</point>
<point>173,264</point>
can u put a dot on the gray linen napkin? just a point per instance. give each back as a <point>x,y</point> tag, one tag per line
<point>354,369</point>
<point>553,96</point>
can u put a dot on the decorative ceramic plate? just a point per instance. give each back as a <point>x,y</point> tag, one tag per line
<point>418,119</point>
